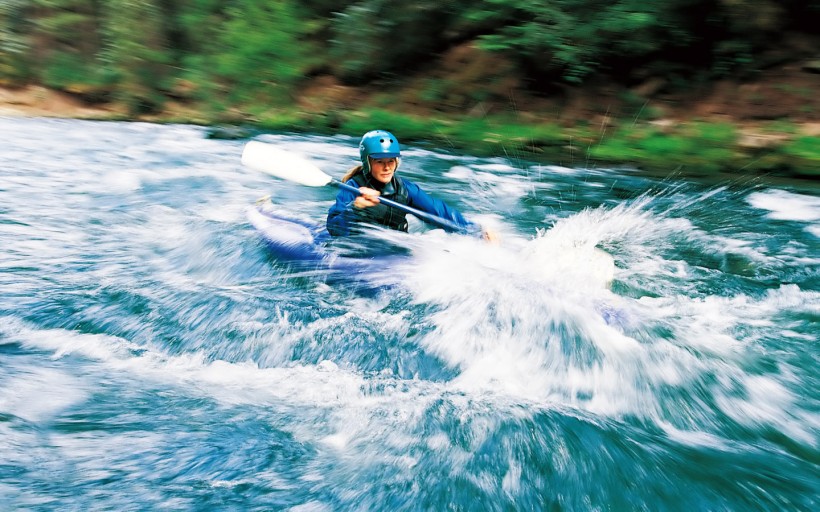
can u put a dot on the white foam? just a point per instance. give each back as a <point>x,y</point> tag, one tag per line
<point>785,205</point>
<point>557,169</point>
<point>242,382</point>
<point>500,320</point>
<point>122,181</point>
<point>459,172</point>
<point>38,394</point>
<point>765,401</point>
<point>495,168</point>
<point>693,437</point>
<point>311,506</point>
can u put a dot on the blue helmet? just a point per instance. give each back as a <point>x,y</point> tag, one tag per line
<point>378,144</point>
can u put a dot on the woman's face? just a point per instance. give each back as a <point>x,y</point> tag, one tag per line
<point>382,169</point>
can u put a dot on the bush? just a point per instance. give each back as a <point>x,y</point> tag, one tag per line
<point>372,38</point>
<point>259,54</point>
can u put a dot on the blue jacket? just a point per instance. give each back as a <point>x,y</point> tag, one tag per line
<point>342,215</point>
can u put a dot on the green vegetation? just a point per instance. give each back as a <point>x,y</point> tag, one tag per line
<point>704,147</point>
<point>249,61</point>
<point>802,154</point>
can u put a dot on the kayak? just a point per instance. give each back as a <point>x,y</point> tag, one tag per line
<point>306,245</point>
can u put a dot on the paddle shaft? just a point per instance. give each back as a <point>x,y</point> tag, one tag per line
<point>432,219</point>
<point>287,166</point>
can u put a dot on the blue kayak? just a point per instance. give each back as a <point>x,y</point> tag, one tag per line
<point>307,246</point>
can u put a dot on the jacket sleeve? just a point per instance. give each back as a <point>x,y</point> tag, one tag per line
<point>341,214</point>
<point>419,199</point>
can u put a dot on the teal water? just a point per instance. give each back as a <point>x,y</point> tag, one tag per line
<point>153,356</point>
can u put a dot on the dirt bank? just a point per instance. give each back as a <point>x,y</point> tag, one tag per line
<point>36,101</point>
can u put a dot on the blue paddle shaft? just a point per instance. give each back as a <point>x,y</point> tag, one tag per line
<point>432,219</point>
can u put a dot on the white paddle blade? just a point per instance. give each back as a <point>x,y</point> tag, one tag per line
<point>282,164</point>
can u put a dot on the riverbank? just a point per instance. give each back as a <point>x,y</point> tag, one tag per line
<point>768,127</point>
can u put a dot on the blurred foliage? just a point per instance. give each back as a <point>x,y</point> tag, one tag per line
<point>133,55</point>
<point>373,37</point>
<point>258,55</point>
<point>576,38</point>
<point>249,59</point>
<point>804,147</point>
<point>234,49</point>
<point>15,52</point>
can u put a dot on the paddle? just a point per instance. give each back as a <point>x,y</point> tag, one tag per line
<point>295,168</point>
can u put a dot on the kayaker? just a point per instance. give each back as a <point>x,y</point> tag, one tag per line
<point>380,154</point>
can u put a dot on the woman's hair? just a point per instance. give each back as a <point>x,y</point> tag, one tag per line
<point>352,172</point>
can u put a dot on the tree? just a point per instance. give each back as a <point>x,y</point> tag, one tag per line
<point>375,37</point>
<point>259,54</point>
<point>66,36</point>
<point>15,50</point>
<point>135,53</point>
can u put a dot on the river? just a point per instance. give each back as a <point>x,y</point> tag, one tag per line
<point>153,356</point>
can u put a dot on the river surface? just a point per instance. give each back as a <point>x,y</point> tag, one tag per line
<point>154,356</point>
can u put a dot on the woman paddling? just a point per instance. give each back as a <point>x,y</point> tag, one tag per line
<point>380,154</point>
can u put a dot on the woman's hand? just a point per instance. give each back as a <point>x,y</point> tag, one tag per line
<point>490,236</point>
<point>369,197</point>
